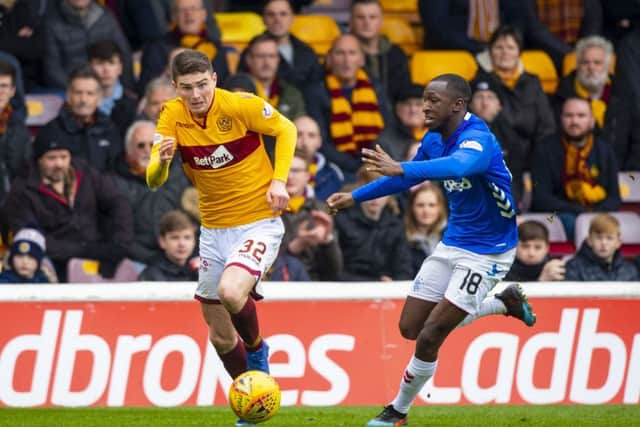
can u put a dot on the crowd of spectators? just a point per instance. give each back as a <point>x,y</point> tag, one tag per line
<point>74,188</point>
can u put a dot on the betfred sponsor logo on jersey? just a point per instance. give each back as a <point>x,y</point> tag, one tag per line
<point>219,158</point>
<point>452,185</point>
<point>156,353</point>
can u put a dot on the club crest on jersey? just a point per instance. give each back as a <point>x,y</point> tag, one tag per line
<point>224,123</point>
<point>452,185</point>
<point>220,157</point>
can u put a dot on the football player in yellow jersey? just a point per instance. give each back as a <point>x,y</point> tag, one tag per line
<point>241,197</point>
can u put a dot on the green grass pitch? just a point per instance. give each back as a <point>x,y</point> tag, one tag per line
<point>610,415</point>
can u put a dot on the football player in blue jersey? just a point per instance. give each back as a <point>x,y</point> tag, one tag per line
<point>478,246</point>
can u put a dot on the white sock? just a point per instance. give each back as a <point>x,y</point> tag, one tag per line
<point>415,376</point>
<point>490,305</point>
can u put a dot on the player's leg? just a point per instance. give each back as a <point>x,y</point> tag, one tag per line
<point>427,290</point>
<point>224,338</point>
<point>512,301</point>
<point>414,314</point>
<point>255,249</point>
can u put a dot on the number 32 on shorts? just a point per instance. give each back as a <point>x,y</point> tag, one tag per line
<point>471,282</point>
<point>254,249</point>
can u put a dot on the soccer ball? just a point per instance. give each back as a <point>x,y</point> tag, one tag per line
<point>254,396</point>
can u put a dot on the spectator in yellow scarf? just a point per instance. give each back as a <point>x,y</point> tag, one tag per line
<point>350,107</point>
<point>575,172</point>
<point>591,79</point>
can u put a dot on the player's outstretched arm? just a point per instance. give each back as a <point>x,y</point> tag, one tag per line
<point>159,162</point>
<point>379,161</point>
<point>338,201</point>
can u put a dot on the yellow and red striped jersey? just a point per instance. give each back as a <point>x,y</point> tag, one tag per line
<point>224,155</point>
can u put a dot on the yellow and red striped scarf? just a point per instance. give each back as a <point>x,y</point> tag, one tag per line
<point>5,116</point>
<point>357,124</point>
<point>484,18</point>
<point>598,105</point>
<point>563,18</point>
<point>580,180</point>
<point>274,93</point>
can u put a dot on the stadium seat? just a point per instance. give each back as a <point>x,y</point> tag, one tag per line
<point>399,31</point>
<point>42,108</point>
<point>399,5</point>
<point>318,31</point>
<point>569,63</point>
<point>81,270</point>
<point>559,244</point>
<point>427,64</point>
<point>339,10</point>
<point>233,59</point>
<point>539,63</point>
<point>404,9</point>
<point>629,183</point>
<point>629,230</point>
<point>238,28</point>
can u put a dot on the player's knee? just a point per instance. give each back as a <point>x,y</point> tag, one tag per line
<point>230,295</point>
<point>431,336</point>
<point>408,331</point>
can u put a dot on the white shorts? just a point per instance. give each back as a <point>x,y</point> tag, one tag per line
<point>253,247</point>
<point>464,278</point>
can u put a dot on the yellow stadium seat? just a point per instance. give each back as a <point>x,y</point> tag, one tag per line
<point>399,5</point>
<point>539,63</point>
<point>318,31</point>
<point>233,59</point>
<point>399,31</point>
<point>238,28</point>
<point>427,64</point>
<point>569,63</point>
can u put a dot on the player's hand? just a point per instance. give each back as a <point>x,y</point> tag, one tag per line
<point>553,270</point>
<point>379,161</point>
<point>167,150</point>
<point>277,196</point>
<point>338,201</point>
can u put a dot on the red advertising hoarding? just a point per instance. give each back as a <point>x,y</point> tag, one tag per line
<point>135,353</point>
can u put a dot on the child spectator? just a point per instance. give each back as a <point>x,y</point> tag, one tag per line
<point>178,240</point>
<point>25,258</point>
<point>599,257</point>
<point>425,221</point>
<point>532,256</point>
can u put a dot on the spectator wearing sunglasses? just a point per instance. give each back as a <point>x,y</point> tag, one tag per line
<point>148,206</point>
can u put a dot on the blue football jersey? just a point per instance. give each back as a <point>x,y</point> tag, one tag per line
<point>482,216</point>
